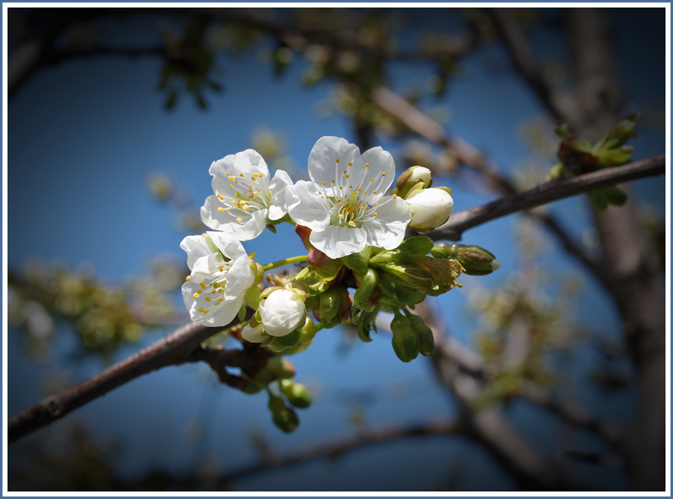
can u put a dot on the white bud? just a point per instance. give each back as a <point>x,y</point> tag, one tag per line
<point>282,312</point>
<point>253,334</point>
<point>430,208</point>
<point>420,174</point>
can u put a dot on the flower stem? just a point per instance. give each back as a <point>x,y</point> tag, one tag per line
<point>286,261</point>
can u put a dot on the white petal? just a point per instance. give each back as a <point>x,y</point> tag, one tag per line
<point>229,245</point>
<point>239,278</point>
<point>250,226</point>
<point>212,217</point>
<point>280,181</point>
<point>381,168</point>
<point>223,314</point>
<point>337,241</point>
<point>220,167</point>
<point>386,230</point>
<point>253,334</point>
<point>322,162</point>
<point>195,247</point>
<point>430,208</point>
<point>305,205</point>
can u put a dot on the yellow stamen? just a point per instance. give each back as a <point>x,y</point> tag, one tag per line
<point>203,286</point>
<point>207,298</point>
<point>375,213</point>
<point>205,312</point>
<point>350,164</point>
<point>366,165</point>
<point>188,278</point>
<point>337,160</point>
<point>351,223</point>
<point>231,186</point>
<point>239,219</point>
<point>383,174</point>
<point>394,196</point>
<point>196,295</point>
<point>220,209</point>
<point>201,309</point>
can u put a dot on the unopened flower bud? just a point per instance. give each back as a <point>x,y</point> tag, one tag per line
<point>283,417</point>
<point>296,394</point>
<point>405,339</point>
<point>410,178</point>
<point>425,338</point>
<point>282,312</point>
<point>430,208</point>
<point>474,259</point>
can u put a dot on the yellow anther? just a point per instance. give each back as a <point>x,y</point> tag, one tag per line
<point>260,175</point>
<point>332,181</point>
<point>221,267</point>
<point>375,213</point>
<point>227,209</point>
<point>245,208</point>
<point>207,298</point>
<point>341,215</point>
<point>196,295</point>
<point>374,191</point>
<point>383,174</point>
<point>365,192</point>
<point>221,290</point>
<point>220,209</point>
<point>228,174</point>
<point>188,278</point>
<point>199,291</point>
<point>371,179</point>
<point>201,310</point>
<point>348,176</point>
<point>346,171</point>
<point>231,186</point>
<point>350,164</point>
<point>359,190</point>
<point>323,183</point>
<point>205,312</point>
<point>213,292</point>
<point>366,165</point>
<point>232,178</point>
<point>351,223</point>
<point>233,201</point>
<point>337,160</point>
<point>394,196</point>
<point>377,204</point>
<point>242,175</point>
<point>239,219</point>
<point>203,286</point>
<point>341,188</point>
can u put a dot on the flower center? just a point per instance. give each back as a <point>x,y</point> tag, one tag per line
<point>248,195</point>
<point>211,292</point>
<point>349,204</point>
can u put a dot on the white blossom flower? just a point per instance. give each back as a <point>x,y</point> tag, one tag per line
<point>282,312</point>
<point>344,204</point>
<point>245,197</point>
<point>430,208</point>
<point>220,275</point>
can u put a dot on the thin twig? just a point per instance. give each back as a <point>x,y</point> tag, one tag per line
<point>342,445</point>
<point>547,193</point>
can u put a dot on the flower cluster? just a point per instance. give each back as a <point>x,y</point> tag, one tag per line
<point>354,232</point>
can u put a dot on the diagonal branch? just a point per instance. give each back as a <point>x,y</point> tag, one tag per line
<point>547,193</point>
<point>174,349</point>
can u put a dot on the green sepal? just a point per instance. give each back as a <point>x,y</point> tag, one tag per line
<point>368,283</point>
<point>412,246</point>
<point>557,171</point>
<point>252,297</point>
<point>311,282</point>
<point>242,313</point>
<point>280,344</point>
<point>398,295</point>
<point>358,262</point>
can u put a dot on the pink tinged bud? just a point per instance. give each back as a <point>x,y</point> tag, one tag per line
<point>430,208</point>
<point>282,312</point>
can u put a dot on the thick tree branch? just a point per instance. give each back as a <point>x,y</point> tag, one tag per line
<point>176,348</point>
<point>547,193</point>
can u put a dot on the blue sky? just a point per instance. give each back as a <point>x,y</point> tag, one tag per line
<point>85,135</point>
